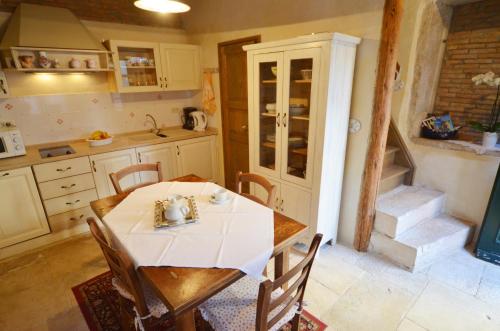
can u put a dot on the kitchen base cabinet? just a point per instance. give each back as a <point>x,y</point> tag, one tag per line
<point>197,156</point>
<point>21,211</point>
<point>105,164</point>
<point>163,153</point>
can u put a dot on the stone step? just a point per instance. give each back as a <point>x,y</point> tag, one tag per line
<point>389,156</point>
<point>392,177</point>
<point>406,206</point>
<point>425,243</point>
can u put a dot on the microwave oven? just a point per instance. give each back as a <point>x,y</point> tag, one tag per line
<point>11,142</point>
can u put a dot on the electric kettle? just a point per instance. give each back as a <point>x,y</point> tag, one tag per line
<point>200,120</point>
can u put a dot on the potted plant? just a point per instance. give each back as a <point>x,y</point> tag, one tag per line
<point>491,128</point>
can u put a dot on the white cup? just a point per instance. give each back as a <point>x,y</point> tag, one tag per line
<point>220,195</point>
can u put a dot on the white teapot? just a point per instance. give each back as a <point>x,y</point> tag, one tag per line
<point>175,210</point>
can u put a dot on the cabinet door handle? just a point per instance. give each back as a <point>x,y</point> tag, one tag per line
<point>178,150</point>
<point>139,157</point>
<point>5,174</point>
<point>284,120</point>
<point>68,187</point>
<point>278,120</point>
<point>281,205</point>
<point>72,203</point>
<point>276,204</point>
<point>93,166</point>
<point>76,218</point>
<point>63,170</point>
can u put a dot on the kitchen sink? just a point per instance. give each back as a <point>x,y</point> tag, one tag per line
<point>148,136</point>
<point>56,151</point>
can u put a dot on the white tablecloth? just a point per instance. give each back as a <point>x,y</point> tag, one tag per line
<point>238,234</point>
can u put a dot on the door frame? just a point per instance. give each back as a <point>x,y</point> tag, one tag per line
<point>224,118</point>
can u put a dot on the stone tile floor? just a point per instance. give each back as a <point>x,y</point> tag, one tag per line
<point>347,290</point>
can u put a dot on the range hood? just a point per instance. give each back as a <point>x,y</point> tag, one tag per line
<point>47,27</point>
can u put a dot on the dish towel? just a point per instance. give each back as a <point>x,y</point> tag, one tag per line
<point>208,99</point>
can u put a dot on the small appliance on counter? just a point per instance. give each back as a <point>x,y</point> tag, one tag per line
<point>187,119</point>
<point>11,142</point>
<point>200,120</point>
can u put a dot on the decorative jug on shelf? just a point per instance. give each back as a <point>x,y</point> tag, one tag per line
<point>91,63</point>
<point>75,63</point>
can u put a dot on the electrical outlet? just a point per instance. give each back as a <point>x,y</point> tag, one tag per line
<point>7,124</point>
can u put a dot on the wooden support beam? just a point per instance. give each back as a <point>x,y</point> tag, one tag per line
<point>387,59</point>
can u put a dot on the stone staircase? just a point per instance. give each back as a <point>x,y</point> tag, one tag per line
<point>410,227</point>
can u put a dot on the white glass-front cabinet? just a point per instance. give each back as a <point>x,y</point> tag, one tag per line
<point>21,211</point>
<point>149,67</point>
<point>299,104</point>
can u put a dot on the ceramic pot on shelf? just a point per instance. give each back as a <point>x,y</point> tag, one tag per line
<point>490,139</point>
<point>75,64</point>
<point>91,63</point>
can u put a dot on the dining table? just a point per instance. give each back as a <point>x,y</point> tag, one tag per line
<point>182,289</point>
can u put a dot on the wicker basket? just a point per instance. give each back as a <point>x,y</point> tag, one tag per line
<point>431,134</point>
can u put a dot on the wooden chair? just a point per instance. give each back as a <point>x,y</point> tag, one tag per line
<point>117,176</point>
<point>274,306</point>
<point>126,282</point>
<point>253,178</point>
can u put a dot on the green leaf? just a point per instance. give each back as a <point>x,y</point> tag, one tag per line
<point>497,127</point>
<point>478,126</point>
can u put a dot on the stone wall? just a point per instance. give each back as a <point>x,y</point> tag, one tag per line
<point>473,47</point>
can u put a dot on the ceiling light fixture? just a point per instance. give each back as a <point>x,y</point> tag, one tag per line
<point>162,6</point>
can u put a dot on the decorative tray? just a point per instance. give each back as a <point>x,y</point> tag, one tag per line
<point>162,222</point>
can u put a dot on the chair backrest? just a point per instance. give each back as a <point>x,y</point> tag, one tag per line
<point>253,178</point>
<point>293,295</point>
<point>117,176</point>
<point>121,266</point>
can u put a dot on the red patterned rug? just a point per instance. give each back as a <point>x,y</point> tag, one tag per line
<point>99,303</point>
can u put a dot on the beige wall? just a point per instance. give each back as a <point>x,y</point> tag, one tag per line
<point>465,177</point>
<point>365,25</point>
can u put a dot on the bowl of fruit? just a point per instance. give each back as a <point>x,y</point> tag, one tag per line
<point>99,138</point>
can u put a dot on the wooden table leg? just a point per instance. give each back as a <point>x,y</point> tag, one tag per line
<point>282,265</point>
<point>185,321</point>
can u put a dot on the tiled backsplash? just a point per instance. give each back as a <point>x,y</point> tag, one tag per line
<point>51,118</point>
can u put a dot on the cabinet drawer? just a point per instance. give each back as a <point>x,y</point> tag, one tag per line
<point>61,169</point>
<point>69,202</point>
<point>64,186</point>
<point>70,219</point>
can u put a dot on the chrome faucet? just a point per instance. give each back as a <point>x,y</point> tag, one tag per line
<point>155,129</point>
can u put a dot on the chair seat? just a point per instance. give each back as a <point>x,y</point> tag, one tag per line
<point>235,308</point>
<point>155,306</point>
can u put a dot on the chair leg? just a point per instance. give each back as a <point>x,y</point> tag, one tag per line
<point>296,322</point>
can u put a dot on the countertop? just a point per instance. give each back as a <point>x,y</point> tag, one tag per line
<point>82,148</point>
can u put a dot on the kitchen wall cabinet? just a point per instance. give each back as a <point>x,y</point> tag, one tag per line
<point>197,156</point>
<point>299,93</point>
<point>163,153</point>
<point>180,66</point>
<point>21,211</point>
<point>107,163</point>
<point>152,67</point>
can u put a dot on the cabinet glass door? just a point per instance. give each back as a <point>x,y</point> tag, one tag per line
<point>137,66</point>
<point>267,110</point>
<point>301,73</point>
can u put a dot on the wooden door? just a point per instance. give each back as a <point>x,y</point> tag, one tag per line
<point>197,156</point>
<point>163,153</point>
<point>107,163</point>
<point>181,67</point>
<point>234,104</point>
<point>21,211</point>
